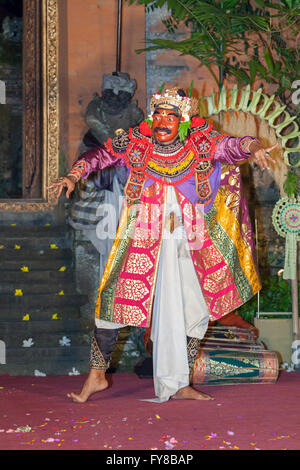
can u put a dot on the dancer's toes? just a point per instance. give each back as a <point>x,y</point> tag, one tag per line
<point>190,393</point>
<point>77,398</point>
<point>94,383</point>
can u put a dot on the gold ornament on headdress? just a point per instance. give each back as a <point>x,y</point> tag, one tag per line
<point>187,107</point>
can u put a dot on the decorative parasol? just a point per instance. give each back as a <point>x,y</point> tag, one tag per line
<point>286,220</point>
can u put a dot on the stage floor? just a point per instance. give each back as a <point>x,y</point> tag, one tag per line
<point>36,414</point>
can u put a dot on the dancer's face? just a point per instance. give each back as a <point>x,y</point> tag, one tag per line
<point>165,125</point>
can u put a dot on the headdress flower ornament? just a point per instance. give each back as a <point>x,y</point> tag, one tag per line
<point>174,98</point>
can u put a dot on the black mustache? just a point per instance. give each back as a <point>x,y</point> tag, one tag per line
<point>163,129</point>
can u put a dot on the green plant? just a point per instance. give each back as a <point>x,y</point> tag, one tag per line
<point>249,41</point>
<point>291,184</point>
<point>275,296</point>
<point>279,65</point>
<point>217,33</point>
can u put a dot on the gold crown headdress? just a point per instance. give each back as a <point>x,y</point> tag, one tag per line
<point>175,97</point>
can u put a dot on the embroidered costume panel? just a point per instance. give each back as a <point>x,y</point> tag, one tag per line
<point>204,171</point>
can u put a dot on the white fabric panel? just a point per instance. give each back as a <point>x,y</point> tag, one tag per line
<point>179,309</point>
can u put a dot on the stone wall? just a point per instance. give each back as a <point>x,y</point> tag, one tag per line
<point>87,51</point>
<point>169,66</point>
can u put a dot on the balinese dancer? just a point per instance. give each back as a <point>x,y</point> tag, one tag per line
<point>183,253</point>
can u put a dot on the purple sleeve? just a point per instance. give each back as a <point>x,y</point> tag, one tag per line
<point>97,159</point>
<point>230,150</point>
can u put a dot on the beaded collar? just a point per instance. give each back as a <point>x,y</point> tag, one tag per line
<point>169,149</point>
<point>171,163</point>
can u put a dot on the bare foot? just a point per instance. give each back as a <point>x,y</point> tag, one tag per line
<point>96,382</point>
<point>190,393</point>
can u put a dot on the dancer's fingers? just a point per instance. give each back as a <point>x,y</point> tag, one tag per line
<point>53,190</point>
<point>68,192</point>
<point>272,147</point>
<point>60,191</point>
<point>268,150</point>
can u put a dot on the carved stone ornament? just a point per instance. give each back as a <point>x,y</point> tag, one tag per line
<point>40,121</point>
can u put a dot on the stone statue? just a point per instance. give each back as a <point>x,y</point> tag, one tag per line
<point>112,110</point>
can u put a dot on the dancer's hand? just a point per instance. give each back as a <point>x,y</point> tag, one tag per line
<point>261,155</point>
<point>64,182</point>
